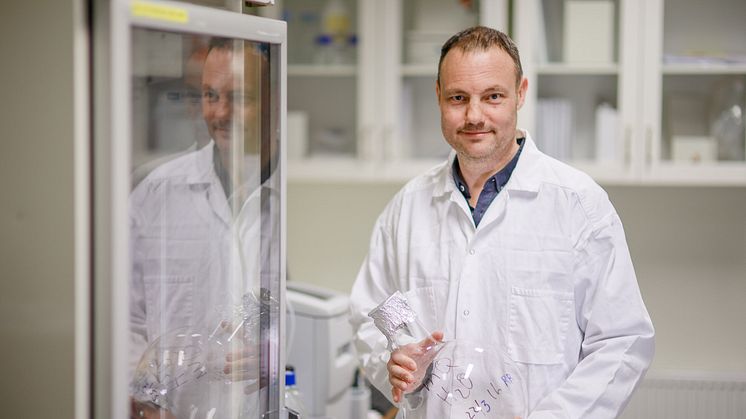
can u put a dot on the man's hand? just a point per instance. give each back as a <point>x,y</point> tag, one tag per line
<point>243,365</point>
<point>402,365</point>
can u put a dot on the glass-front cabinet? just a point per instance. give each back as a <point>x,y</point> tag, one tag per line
<point>361,79</point>
<point>323,78</point>
<point>583,81</point>
<point>196,225</point>
<point>637,91</point>
<point>695,117</point>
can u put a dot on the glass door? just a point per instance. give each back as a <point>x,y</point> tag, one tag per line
<point>322,69</point>
<point>580,58</point>
<point>198,255</point>
<point>412,139</point>
<point>699,130</point>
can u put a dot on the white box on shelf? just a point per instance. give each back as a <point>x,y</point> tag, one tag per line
<point>607,144</point>
<point>693,149</point>
<point>424,47</point>
<point>589,31</point>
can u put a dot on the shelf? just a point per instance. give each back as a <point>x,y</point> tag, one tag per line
<point>704,69</point>
<point>577,69</point>
<point>348,170</point>
<point>316,70</point>
<point>712,174</point>
<point>351,170</point>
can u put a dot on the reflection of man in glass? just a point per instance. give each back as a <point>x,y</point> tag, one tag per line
<point>198,241</point>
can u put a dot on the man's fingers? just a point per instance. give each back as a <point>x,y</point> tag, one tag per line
<point>431,340</point>
<point>400,374</point>
<point>247,352</point>
<point>398,358</point>
<point>242,368</point>
<point>396,393</point>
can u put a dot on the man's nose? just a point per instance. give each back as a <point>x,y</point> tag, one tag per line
<point>224,108</point>
<point>474,114</point>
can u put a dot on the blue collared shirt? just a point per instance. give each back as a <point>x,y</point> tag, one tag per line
<point>491,188</point>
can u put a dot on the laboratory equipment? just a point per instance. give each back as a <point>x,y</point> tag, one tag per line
<point>293,398</point>
<point>453,378</point>
<point>320,348</point>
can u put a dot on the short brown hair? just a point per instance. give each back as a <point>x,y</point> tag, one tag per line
<point>482,38</point>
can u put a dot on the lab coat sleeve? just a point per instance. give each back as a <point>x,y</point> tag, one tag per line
<point>373,285</point>
<point>618,343</point>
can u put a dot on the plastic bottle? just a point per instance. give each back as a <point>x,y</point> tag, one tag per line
<point>293,400</point>
<point>333,42</point>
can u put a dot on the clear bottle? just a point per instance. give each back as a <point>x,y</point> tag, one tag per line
<point>293,399</point>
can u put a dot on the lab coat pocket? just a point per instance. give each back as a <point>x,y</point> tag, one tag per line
<point>429,304</point>
<point>168,301</point>
<point>538,324</point>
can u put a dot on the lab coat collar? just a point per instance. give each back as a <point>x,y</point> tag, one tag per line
<point>203,165</point>
<point>526,175</point>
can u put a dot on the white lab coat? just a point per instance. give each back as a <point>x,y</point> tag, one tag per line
<point>546,279</point>
<point>192,259</point>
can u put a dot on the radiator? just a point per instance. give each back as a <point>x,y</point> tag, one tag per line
<point>688,396</point>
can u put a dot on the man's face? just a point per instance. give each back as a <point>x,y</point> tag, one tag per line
<point>229,101</point>
<point>479,100</point>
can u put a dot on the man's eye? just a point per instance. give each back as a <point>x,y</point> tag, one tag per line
<point>496,96</point>
<point>457,98</point>
<point>210,96</point>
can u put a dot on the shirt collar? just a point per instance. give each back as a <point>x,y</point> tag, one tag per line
<point>526,176</point>
<point>496,182</point>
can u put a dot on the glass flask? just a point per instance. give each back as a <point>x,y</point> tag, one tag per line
<point>453,378</point>
<point>200,374</point>
<point>727,119</point>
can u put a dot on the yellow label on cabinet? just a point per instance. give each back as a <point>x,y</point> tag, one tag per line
<point>159,12</point>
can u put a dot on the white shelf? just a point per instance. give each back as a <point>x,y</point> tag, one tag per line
<point>316,70</point>
<point>704,69</point>
<point>577,69</point>
<point>351,170</point>
<point>712,174</point>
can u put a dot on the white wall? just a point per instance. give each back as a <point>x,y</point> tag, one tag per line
<point>688,245</point>
<point>36,209</point>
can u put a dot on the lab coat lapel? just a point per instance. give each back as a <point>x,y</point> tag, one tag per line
<point>496,210</point>
<point>216,199</point>
<point>524,179</point>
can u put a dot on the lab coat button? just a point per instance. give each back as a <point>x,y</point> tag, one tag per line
<point>466,313</point>
<point>472,251</point>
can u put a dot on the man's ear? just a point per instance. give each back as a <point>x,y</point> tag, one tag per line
<point>522,88</point>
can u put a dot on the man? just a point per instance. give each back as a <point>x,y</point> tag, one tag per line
<point>203,227</point>
<point>507,247</point>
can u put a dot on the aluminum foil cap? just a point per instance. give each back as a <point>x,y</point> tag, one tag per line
<point>392,315</point>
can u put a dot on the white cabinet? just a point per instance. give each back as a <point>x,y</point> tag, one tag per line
<point>696,98</point>
<point>675,76</point>
<point>375,116</point>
